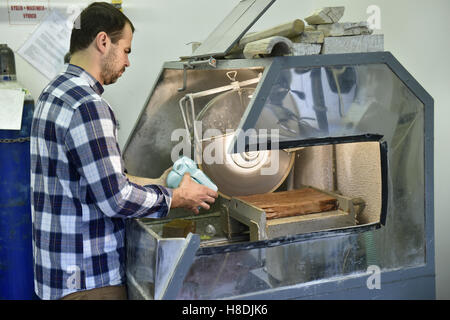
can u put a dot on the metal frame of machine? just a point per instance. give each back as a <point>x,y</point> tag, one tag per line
<point>353,287</point>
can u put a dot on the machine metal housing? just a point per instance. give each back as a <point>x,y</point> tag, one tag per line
<point>329,263</point>
<point>359,129</point>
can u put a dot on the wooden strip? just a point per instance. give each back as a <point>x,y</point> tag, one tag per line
<point>303,209</point>
<point>274,196</point>
<point>292,203</point>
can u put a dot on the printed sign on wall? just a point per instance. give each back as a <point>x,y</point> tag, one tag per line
<point>47,46</point>
<point>26,11</point>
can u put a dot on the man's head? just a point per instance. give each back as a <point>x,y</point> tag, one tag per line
<point>106,34</point>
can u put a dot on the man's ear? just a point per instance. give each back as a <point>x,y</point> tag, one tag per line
<point>102,42</point>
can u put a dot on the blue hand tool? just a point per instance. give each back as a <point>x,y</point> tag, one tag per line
<point>183,165</point>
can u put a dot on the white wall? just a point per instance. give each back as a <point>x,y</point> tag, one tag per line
<point>416,32</point>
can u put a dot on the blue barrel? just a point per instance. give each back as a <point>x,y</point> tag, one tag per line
<point>16,258</point>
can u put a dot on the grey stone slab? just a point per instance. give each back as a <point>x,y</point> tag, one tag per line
<point>344,29</point>
<point>305,49</point>
<point>349,44</point>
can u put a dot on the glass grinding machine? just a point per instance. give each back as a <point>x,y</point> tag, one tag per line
<point>324,165</point>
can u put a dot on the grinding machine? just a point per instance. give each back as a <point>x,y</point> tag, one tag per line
<point>324,169</point>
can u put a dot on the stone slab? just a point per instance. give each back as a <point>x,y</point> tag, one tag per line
<point>351,44</point>
<point>344,29</point>
<point>305,49</point>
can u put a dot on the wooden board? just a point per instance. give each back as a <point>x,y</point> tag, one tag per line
<point>292,203</point>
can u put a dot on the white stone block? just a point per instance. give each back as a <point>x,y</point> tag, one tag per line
<point>305,49</point>
<point>344,29</point>
<point>351,44</point>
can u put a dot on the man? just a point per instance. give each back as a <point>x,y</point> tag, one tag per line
<point>80,194</point>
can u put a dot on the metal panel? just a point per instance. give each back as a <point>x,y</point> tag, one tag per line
<point>16,256</point>
<point>232,28</point>
<point>182,265</point>
<point>411,284</point>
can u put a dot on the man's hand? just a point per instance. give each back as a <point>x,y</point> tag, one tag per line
<point>191,195</point>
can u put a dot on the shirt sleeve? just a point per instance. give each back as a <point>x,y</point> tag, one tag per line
<point>92,147</point>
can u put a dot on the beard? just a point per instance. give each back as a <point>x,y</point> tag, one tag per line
<point>109,72</point>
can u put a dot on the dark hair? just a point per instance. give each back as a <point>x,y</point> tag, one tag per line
<point>97,17</point>
<point>67,57</point>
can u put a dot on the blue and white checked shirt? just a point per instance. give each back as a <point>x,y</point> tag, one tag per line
<point>80,195</point>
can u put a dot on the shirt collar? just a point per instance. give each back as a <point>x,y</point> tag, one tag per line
<point>80,72</point>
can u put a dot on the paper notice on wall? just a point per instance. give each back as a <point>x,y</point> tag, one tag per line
<point>26,11</point>
<point>11,108</point>
<point>49,43</point>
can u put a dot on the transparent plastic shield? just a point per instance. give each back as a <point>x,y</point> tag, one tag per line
<point>333,101</point>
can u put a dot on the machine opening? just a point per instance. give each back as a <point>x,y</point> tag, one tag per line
<point>324,189</point>
<point>327,187</point>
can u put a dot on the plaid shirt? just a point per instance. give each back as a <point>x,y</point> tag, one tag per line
<point>80,196</point>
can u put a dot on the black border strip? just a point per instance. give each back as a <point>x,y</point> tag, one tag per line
<point>384,182</point>
<point>318,235</point>
<point>368,137</point>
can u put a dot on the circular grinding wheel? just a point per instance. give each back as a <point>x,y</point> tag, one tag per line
<point>238,174</point>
